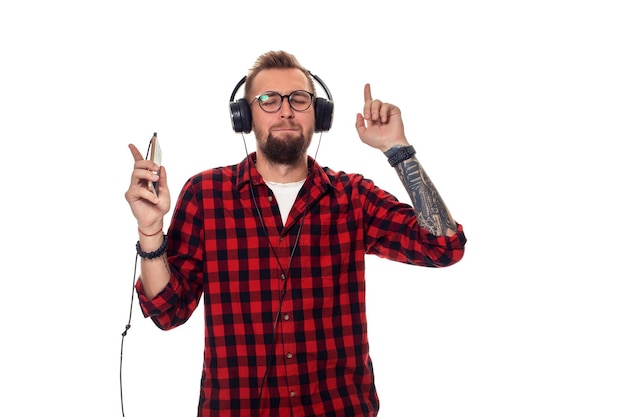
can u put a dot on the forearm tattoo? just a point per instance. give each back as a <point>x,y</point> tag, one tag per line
<point>432,213</point>
<point>167,264</point>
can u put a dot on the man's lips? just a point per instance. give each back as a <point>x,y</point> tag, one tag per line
<point>285,129</point>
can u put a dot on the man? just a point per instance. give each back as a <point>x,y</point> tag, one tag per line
<point>276,246</point>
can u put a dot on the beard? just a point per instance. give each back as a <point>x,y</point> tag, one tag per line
<point>284,151</point>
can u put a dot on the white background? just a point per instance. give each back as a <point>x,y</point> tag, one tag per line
<point>517,112</point>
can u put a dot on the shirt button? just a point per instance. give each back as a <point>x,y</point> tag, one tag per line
<point>292,393</point>
<point>270,198</point>
<point>286,316</point>
<point>289,355</point>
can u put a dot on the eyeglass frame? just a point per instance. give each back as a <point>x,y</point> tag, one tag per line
<point>282,98</point>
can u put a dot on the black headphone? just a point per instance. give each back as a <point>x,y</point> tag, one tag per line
<point>241,117</point>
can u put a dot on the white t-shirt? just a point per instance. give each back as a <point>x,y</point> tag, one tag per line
<point>285,194</point>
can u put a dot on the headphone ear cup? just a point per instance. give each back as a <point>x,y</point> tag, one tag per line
<point>323,114</point>
<point>240,116</point>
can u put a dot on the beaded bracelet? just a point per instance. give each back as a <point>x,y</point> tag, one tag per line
<point>397,155</point>
<point>154,254</point>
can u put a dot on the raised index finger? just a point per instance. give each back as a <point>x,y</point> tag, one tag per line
<point>367,92</point>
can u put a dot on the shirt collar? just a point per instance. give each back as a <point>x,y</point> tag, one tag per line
<point>247,170</point>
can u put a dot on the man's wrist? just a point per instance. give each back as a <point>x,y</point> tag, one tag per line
<point>152,254</point>
<point>152,229</point>
<point>398,154</point>
<point>149,234</point>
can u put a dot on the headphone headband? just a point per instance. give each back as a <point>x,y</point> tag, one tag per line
<point>237,87</point>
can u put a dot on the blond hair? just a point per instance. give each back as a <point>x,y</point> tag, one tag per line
<point>275,60</point>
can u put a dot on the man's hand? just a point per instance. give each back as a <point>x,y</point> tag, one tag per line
<point>146,207</point>
<point>380,126</point>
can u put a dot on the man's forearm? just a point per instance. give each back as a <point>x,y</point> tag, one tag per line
<point>432,213</point>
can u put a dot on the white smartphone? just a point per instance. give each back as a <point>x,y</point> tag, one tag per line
<point>155,156</point>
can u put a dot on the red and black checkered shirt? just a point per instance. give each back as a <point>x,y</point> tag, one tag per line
<point>286,331</point>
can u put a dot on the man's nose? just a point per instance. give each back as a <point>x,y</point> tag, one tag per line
<point>285,108</point>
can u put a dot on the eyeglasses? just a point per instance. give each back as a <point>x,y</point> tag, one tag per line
<point>271,101</point>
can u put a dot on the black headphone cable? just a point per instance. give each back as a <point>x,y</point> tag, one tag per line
<point>130,315</point>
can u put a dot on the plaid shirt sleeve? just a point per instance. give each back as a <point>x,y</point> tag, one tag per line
<point>393,232</point>
<point>175,304</point>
